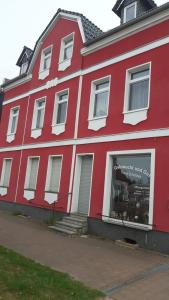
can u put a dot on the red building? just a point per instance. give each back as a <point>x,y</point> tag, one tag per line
<point>85,127</point>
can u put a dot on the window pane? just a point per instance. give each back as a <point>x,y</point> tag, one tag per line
<point>130,188</point>
<point>130,13</point>
<point>33,173</point>
<point>139,74</point>
<point>39,120</point>
<point>68,52</point>
<point>138,96</point>
<point>7,171</point>
<point>61,115</point>
<point>55,174</point>
<point>100,105</point>
<point>102,85</point>
<point>13,124</point>
<point>46,63</point>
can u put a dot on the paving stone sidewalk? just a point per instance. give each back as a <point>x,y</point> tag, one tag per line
<point>124,274</point>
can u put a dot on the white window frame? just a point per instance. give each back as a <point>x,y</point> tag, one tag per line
<point>51,196</point>
<point>125,11</point>
<point>36,132</point>
<point>3,188</point>
<point>43,73</point>
<point>28,193</point>
<point>107,189</point>
<point>135,116</point>
<point>11,135</point>
<point>65,63</point>
<point>58,128</point>
<point>95,123</point>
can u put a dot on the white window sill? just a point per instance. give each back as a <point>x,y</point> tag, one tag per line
<point>10,137</point>
<point>96,124</point>
<point>127,224</point>
<point>58,128</point>
<point>51,197</point>
<point>3,191</point>
<point>35,133</point>
<point>29,195</point>
<point>63,65</point>
<point>136,116</point>
<point>43,74</point>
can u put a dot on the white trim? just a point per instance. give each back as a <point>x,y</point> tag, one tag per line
<point>126,32</point>
<point>125,11</point>
<point>18,82</point>
<point>128,136</point>
<point>107,188</point>
<point>104,64</point>
<point>76,185</point>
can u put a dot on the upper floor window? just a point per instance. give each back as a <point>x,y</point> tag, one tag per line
<point>66,52</point>
<point>60,112</point>
<point>130,12</point>
<point>12,125</point>
<point>99,99</point>
<point>137,90</point>
<point>38,117</point>
<point>45,62</point>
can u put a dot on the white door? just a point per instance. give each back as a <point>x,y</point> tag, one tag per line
<point>85,184</point>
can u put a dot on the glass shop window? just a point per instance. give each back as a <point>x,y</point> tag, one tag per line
<point>130,188</point>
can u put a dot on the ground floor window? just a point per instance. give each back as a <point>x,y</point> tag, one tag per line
<point>129,185</point>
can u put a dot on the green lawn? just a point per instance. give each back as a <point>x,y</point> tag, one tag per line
<point>23,279</point>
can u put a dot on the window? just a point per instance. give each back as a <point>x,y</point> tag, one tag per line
<point>137,93</point>
<point>130,12</point>
<point>60,112</point>
<point>128,194</point>
<point>31,173</point>
<point>99,100</point>
<point>53,174</point>
<point>66,52</point>
<point>45,62</point>
<point>38,117</point>
<point>23,68</point>
<point>62,100</point>
<point>6,171</point>
<point>13,121</point>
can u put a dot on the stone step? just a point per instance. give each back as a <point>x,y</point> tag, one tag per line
<point>75,220</point>
<point>72,226</point>
<point>63,230</point>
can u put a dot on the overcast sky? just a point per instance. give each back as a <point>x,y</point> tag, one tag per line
<point>22,22</point>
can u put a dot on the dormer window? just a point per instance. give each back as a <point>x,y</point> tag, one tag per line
<point>24,67</point>
<point>45,62</point>
<point>130,12</point>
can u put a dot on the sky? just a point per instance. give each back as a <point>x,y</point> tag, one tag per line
<point>22,22</point>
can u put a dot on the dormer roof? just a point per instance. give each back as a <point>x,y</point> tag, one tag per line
<point>25,56</point>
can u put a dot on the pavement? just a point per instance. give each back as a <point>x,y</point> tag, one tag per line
<point>122,273</point>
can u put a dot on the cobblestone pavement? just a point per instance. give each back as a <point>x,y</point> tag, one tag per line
<point>122,273</point>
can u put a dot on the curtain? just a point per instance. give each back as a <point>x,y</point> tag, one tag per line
<point>138,97</point>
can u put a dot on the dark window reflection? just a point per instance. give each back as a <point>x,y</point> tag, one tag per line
<point>130,188</point>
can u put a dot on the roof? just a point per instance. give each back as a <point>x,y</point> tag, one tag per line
<point>26,51</point>
<point>116,8</point>
<point>127,24</point>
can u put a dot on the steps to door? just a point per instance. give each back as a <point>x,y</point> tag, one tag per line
<point>74,224</point>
